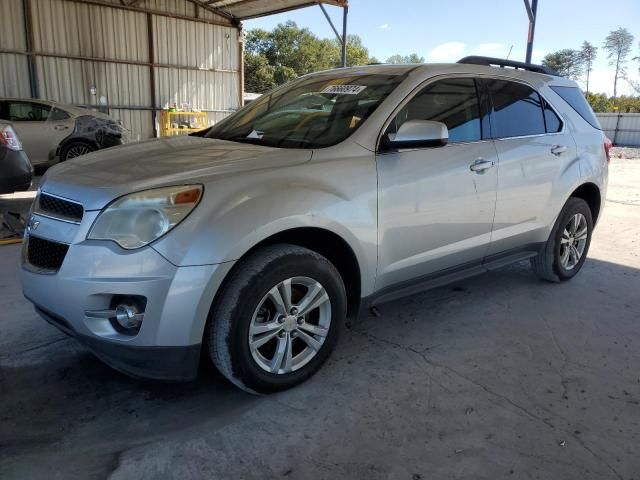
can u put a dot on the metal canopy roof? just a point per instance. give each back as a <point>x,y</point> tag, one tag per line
<point>246,9</point>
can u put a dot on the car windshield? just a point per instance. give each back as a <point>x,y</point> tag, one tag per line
<point>312,112</point>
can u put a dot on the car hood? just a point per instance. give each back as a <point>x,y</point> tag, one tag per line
<point>100,177</point>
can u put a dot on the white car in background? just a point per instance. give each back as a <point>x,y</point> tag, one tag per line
<point>52,132</point>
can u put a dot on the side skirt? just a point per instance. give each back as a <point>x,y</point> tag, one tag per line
<point>451,275</point>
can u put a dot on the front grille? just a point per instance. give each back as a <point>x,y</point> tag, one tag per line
<point>60,208</point>
<point>45,254</point>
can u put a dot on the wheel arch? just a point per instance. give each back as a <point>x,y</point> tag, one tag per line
<point>590,193</point>
<point>328,244</point>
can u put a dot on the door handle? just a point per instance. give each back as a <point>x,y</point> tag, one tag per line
<point>558,149</point>
<point>60,127</point>
<point>480,165</point>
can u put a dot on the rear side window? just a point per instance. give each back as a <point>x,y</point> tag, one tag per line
<point>57,114</point>
<point>574,97</point>
<point>453,102</point>
<point>551,119</point>
<point>517,110</point>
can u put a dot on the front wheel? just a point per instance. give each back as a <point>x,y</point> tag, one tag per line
<point>277,319</point>
<point>566,250</point>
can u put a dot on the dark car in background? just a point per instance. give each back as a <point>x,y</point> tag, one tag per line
<point>15,169</point>
<point>52,132</point>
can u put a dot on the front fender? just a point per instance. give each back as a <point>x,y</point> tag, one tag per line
<point>241,211</point>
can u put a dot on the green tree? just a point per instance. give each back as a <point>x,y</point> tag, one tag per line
<point>599,102</point>
<point>567,62</point>
<point>618,46</point>
<point>588,54</point>
<point>400,59</point>
<point>289,51</point>
<point>636,85</point>
<point>258,74</point>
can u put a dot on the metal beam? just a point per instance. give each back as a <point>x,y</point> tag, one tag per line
<point>160,13</point>
<point>216,11</point>
<point>335,30</point>
<point>529,11</point>
<point>152,72</point>
<point>532,12</point>
<point>31,59</point>
<point>115,60</point>
<point>345,12</point>
<point>342,39</point>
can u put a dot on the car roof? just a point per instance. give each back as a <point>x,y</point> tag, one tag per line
<point>431,69</point>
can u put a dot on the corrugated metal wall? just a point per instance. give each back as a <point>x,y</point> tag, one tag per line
<point>13,67</point>
<point>622,128</point>
<point>78,45</point>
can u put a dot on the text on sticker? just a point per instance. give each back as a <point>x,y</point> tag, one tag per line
<point>344,89</point>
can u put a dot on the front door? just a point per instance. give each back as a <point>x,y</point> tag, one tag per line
<point>435,206</point>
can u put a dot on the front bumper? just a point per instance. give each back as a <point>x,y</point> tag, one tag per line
<point>156,363</point>
<point>93,273</point>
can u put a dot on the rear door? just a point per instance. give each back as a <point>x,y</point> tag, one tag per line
<point>534,149</point>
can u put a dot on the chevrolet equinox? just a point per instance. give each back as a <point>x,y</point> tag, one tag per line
<point>251,242</point>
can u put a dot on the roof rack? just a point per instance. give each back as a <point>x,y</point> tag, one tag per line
<point>501,62</point>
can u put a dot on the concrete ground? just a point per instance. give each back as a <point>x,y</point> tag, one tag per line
<point>499,376</point>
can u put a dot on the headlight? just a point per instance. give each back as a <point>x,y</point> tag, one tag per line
<point>138,219</point>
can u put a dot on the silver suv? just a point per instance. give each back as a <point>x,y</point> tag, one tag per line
<point>251,242</point>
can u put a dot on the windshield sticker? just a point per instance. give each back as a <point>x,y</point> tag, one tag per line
<point>344,89</point>
<point>255,134</point>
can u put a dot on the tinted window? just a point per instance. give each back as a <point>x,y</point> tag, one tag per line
<point>57,114</point>
<point>574,97</point>
<point>551,119</point>
<point>453,102</point>
<point>517,109</point>
<point>27,112</point>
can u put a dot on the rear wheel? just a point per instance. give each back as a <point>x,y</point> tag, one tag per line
<point>277,318</point>
<point>75,149</point>
<point>566,250</point>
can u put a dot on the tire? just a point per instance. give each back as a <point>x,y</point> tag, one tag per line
<point>550,264</point>
<point>245,304</point>
<point>75,149</point>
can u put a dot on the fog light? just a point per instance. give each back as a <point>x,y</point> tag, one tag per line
<point>128,316</point>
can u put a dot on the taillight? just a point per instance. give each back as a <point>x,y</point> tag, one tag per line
<point>9,138</point>
<point>608,144</point>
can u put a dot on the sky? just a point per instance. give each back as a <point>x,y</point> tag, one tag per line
<point>473,27</point>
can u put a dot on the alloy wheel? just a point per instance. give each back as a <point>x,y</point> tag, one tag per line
<point>77,151</point>
<point>573,241</point>
<point>290,325</point>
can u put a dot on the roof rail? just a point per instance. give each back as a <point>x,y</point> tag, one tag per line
<point>501,62</point>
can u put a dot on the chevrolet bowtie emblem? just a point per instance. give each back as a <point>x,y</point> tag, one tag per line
<point>32,225</point>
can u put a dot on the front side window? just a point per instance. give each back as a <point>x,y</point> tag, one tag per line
<point>453,102</point>
<point>27,112</point>
<point>312,112</point>
<point>517,109</point>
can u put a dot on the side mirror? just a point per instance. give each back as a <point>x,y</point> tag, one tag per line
<point>418,134</point>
